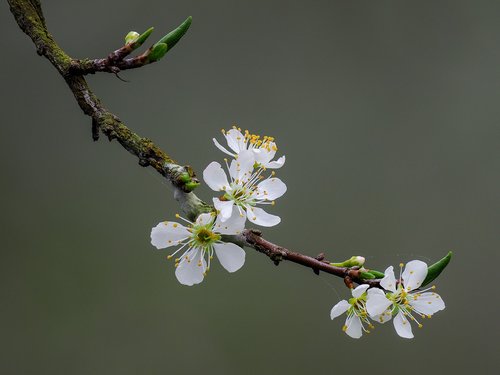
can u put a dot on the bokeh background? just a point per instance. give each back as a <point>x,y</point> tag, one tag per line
<point>388,113</point>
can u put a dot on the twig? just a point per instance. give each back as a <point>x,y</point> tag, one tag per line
<point>28,14</point>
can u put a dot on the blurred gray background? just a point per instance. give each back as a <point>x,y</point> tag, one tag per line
<point>388,113</point>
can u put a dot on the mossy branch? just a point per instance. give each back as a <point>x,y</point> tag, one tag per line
<point>29,16</point>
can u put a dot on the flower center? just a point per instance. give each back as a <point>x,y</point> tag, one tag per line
<point>255,141</point>
<point>204,236</point>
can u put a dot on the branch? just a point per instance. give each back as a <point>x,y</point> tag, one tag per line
<point>28,14</point>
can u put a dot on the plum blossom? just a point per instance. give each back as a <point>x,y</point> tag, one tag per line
<point>264,149</point>
<point>356,313</point>
<point>198,242</point>
<point>247,189</point>
<point>403,300</point>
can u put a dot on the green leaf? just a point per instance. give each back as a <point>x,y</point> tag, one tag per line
<point>157,52</point>
<point>142,38</point>
<point>366,275</point>
<point>191,185</point>
<point>377,274</point>
<point>438,267</point>
<point>174,36</point>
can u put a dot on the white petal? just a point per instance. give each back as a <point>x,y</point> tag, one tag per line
<point>189,272</point>
<point>231,256</point>
<point>414,274</point>
<point>270,189</point>
<point>340,308</point>
<point>233,225</point>
<point>388,282</point>
<point>241,169</point>
<point>426,303</point>
<point>215,177</point>
<point>276,164</point>
<point>168,234</point>
<point>353,324</point>
<point>263,156</point>
<point>384,317</point>
<point>224,208</point>
<point>402,326</point>
<point>204,219</point>
<point>358,292</point>
<point>222,148</point>
<point>235,140</point>
<point>260,217</point>
<point>376,302</point>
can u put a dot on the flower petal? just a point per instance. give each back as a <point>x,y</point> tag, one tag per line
<point>414,274</point>
<point>233,225</point>
<point>224,208</point>
<point>402,326</point>
<point>168,234</point>
<point>260,217</point>
<point>241,169</point>
<point>360,289</point>
<point>235,140</point>
<point>276,164</point>
<point>231,256</point>
<point>388,282</point>
<point>189,271</point>
<point>376,302</point>
<point>263,155</point>
<point>384,317</point>
<point>270,189</point>
<point>353,329</point>
<point>215,177</point>
<point>204,219</point>
<point>222,148</point>
<point>340,308</point>
<point>426,303</point>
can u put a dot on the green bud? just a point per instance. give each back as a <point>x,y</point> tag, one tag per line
<point>142,38</point>
<point>174,36</point>
<point>377,274</point>
<point>185,177</point>
<point>157,52</point>
<point>191,185</point>
<point>366,275</point>
<point>351,262</point>
<point>434,270</point>
<point>131,37</point>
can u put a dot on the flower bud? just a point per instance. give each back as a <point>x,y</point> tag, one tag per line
<point>131,37</point>
<point>354,261</point>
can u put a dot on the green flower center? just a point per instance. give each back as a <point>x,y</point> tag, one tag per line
<point>203,236</point>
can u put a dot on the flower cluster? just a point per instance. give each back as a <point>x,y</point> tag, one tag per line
<point>399,299</point>
<point>240,194</point>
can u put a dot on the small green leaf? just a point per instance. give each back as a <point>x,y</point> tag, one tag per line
<point>185,177</point>
<point>377,274</point>
<point>191,185</point>
<point>434,270</point>
<point>174,36</point>
<point>142,38</point>
<point>366,275</point>
<point>157,52</point>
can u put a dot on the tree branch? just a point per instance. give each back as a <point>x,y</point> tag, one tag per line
<point>29,16</point>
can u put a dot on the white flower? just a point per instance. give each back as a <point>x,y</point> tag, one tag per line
<point>247,189</point>
<point>356,312</point>
<point>400,301</point>
<point>199,241</point>
<point>263,149</point>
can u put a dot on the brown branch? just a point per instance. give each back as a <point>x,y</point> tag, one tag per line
<point>114,63</point>
<point>278,253</point>
<point>28,14</point>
